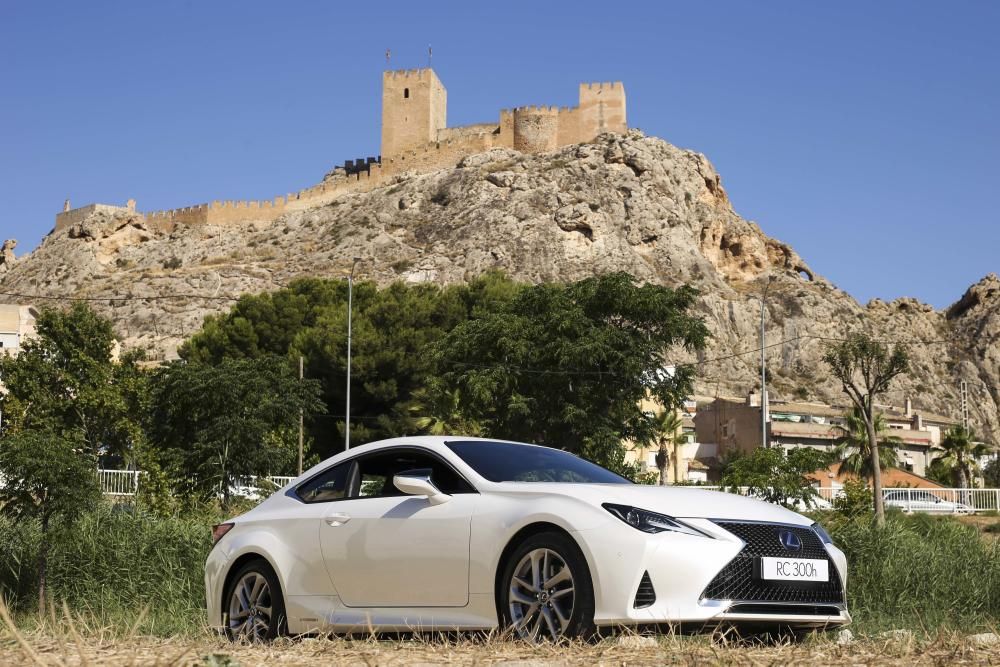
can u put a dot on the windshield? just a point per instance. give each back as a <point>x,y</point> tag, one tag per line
<point>510,462</point>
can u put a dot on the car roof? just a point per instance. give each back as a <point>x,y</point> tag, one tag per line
<point>437,443</point>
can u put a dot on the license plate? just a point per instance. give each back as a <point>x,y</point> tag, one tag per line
<point>794,569</point>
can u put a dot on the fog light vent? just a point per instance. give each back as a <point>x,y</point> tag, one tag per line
<point>645,596</point>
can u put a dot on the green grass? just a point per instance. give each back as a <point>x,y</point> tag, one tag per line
<point>114,564</point>
<point>927,574</point>
<point>919,572</point>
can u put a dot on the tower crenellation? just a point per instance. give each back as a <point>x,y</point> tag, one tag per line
<point>415,138</point>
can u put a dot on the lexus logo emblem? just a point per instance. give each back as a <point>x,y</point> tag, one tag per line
<point>789,540</point>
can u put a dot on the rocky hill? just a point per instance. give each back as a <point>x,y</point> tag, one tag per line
<point>623,202</point>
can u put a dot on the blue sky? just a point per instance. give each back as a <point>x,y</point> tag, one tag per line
<point>865,134</point>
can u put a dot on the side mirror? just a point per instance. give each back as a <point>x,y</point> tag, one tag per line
<point>418,483</point>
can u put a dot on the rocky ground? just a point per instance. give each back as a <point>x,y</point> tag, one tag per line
<point>630,203</point>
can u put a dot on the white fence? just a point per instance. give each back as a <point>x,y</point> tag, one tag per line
<point>941,501</point>
<point>126,483</point>
<point>937,501</point>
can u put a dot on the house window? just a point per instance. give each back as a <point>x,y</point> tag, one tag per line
<point>406,93</point>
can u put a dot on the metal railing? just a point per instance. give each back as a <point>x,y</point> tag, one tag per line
<point>942,501</point>
<point>119,482</point>
<point>907,499</point>
<point>126,482</point>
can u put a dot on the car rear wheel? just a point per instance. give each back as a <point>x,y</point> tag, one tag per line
<point>255,608</point>
<point>546,592</point>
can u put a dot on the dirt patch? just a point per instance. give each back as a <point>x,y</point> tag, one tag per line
<point>988,526</point>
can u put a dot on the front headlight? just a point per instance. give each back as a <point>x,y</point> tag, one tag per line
<point>823,535</point>
<point>650,522</point>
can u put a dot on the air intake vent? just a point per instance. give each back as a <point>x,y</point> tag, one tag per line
<point>784,609</point>
<point>645,596</point>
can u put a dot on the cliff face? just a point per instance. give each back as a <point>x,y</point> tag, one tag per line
<point>621,203</point>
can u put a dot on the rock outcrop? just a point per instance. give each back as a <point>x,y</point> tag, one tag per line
<point>7,257</point>
<point>629,203</point>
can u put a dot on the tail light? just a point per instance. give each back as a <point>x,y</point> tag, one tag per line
<point>220,529</point>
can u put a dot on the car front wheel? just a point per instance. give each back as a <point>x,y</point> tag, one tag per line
<point>255,609</point>
<point>546,592</point>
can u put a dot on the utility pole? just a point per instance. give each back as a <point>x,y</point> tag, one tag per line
<point>301,415</point>
<point>350,307</point>
<point>965,405</point>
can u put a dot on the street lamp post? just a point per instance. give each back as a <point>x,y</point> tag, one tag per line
<point>350,304</point>
<point>763,368</point>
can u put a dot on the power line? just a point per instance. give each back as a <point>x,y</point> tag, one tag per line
<point>112,299</point>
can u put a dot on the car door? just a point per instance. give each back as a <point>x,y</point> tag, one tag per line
<point>383,548</point>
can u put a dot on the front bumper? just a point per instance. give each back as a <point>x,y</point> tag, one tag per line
<point>680,570</point>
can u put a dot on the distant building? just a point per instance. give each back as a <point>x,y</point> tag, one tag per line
<point>17,322</point>
<point>735,425</point>
<point>696,462</point>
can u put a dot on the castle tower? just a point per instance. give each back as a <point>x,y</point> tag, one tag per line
<point>414,108</point>
<point>602,109</point>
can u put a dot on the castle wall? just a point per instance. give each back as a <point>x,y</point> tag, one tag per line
<point>449,133</point>
<point>415,138</point>
<point>69,218</point>
<point>439,154</point>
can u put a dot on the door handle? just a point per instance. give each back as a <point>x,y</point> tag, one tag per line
<point>337,519</point>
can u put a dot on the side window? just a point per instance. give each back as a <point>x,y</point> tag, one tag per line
<point>331,484</point>
<point>377,470</point>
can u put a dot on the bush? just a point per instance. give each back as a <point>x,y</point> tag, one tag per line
<point>856,499</point>
<point>921,572</point>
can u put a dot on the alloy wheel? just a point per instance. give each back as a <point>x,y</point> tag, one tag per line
<point>541,596</point>
<point>250,608</point>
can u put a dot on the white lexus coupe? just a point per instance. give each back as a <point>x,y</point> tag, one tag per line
<point>458,533</point>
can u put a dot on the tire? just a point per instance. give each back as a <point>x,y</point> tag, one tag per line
<point>253,607</point>
<point>564,608</point>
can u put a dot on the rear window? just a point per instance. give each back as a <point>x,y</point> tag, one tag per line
<point>511,462</point>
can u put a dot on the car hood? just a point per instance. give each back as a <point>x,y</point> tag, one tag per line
<point>676,501</point>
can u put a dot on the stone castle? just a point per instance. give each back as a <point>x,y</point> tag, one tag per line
<point>415,138</point>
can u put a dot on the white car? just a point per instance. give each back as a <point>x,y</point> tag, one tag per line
<point>916,500</point>
<point>457,533</point>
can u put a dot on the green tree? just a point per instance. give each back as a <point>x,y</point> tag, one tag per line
<point>218,425</point>
<point>960,451</point>
<point>775,474</point>
<point>991,474</point>
<point>65,381</point>
<point>393,329</point>
<point>669,437</point>
<point>865,368</point>
<point>438,411</point>
<point>853,451</point>
<point>566,365</point>
<point>50,477</point>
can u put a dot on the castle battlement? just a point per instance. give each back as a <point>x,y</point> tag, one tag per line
<point>415,138</point>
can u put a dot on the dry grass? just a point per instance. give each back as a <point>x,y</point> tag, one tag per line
<point>64,639</point>
<point>39,648</point>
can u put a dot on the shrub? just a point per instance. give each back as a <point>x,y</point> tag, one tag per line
<point>855,500</point>
<point>920,571</point>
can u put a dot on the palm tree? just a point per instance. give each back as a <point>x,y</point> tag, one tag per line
<point>853,451</point>
<point>438,411</point>
<point>669,432</point>
<point>960,454</point>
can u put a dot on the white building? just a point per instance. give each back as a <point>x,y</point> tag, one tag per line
<point>16,323</point>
